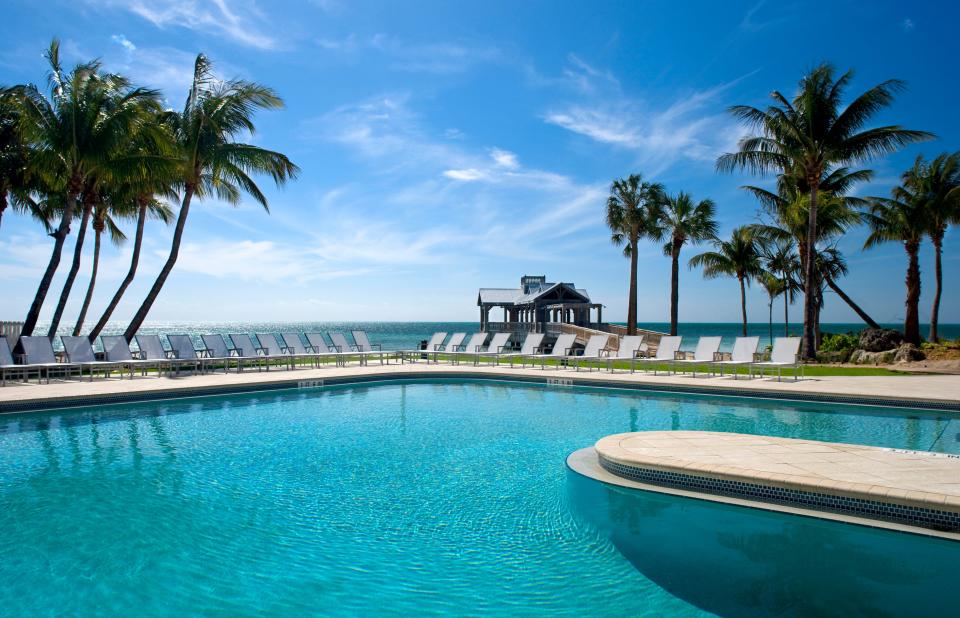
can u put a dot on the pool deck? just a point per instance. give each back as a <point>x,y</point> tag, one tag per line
<point>912,488</point>
<point>941,391</point>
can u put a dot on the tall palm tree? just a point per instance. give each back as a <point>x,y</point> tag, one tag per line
<point>211,162</point>
<point>788,209</point>
<point>810,134</point>
<point>144,194</point>
<point>632,208</point>
<point>942,179</point>
<point>102,221</point>
<point>773,285</point>
<point>84,118</point>
<point>146,207</point>
<point>680,221</point>
<point>15,185</point>
<point>738,257</point>
<point>903,218</point>
<point>781,261</point>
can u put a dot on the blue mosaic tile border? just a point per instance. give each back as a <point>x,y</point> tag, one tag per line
<point>915,516</point>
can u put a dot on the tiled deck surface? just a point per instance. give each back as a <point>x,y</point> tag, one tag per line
<point>931,388</point>
<point>890,476</point>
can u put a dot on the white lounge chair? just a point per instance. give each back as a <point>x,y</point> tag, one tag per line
<point>319,345</point>
<point>294,343</point>
<point>785,353</point>
<point>494,349</point>
<point>363,342</point>
<point>116,349</point>
<point>666,352</point>
<point>474,345</point>
<point>342,345</point>
<point>38,352</point>
<point>7,366</point>
<point>704,353</point>
<point>183,351</point>
<point>215,349</point>
<point>435,343</point>
<point>244,346</point>
<point>268,341</point>
<point>595,349</point>
<point>79,352</point>
<point>151,348</point>
<point>744,353</point>
<point>629,349</point>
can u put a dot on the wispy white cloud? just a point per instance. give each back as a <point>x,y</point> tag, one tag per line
<point>504,158</point>
<point>757,19</point>
<point>122,41</point>
<point>402,55</point>
<point>235,19</point>
<point>687,128</point>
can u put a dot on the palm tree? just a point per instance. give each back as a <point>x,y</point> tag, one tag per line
<point>942,177</point>
<point>146,207</point>
<point>738,257</point>
<point>72,132</point>
<point>788,211</point>
<point>903,218</point>
<point>15,186</point>
<point>144,194</point>
<point>102,221</point>
<point>781,261</point>
<point>680,221</point>
<point>810,134</point>
<point>210,160</point>
<point>773,285</point>
<point>632,208</point>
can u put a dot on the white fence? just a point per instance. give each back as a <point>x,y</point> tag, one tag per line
<point>11,330</point>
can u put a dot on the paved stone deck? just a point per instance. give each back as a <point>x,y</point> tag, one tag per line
<point>935,389</point>
<point>903,478</point>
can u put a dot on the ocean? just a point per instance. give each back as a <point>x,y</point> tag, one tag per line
<point>408,335</point>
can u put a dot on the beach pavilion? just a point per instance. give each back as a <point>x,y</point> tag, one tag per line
<point>535,304</point>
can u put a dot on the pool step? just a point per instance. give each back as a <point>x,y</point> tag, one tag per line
<point>914,488</point>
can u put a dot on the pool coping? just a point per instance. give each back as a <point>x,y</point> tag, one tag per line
<point>586,463</point>
<point>314,378</point>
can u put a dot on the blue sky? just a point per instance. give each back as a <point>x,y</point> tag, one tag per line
<point>447,146</point>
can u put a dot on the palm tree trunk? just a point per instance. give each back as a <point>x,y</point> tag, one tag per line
<point>131,273</point>
<point>632,301</point>
<point>74,269</point>
<point>97,232</point>
<point>911,318</point>
<point>59,238</point>
<point>937,239</point>
<point>786,308</point>
<point>144,309</point>
<point>743,303</point>
<point>770,307</point>
<point>856,308</point>
<point>809,275</point>
<point>674,286</point>
<point>3,202</point>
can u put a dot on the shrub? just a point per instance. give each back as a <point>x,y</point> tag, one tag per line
<point>839,342</point>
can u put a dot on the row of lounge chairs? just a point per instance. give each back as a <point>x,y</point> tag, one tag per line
<point>78,357</point>
<point>631,351</point>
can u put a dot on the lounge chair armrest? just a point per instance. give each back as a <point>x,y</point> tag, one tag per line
<point>722,356</point>
<point>539,349</point>
<point>355,348</point>
<point>681,355</point>
<point>286,350</point>
<point>238,352</point>
<point>23,359</point>
<point>172,354</point>
<point>570,352</point>
<point>261,351</point>
<point>758,357</point>
<point>336,348</point>
<point>376,346</point>
<point>312,349</point>
<point>138,355</point>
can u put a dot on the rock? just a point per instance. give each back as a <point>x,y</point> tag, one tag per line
<point>863,357</point>
<point>907,353</point>
<point>836,356</point>
<point>880,339</point>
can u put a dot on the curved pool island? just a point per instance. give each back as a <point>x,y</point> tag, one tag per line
<point>911,490</point>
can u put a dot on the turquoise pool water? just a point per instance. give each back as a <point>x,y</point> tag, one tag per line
<point>441,497</point>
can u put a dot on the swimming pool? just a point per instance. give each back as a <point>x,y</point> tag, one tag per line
<point>439,496</point>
